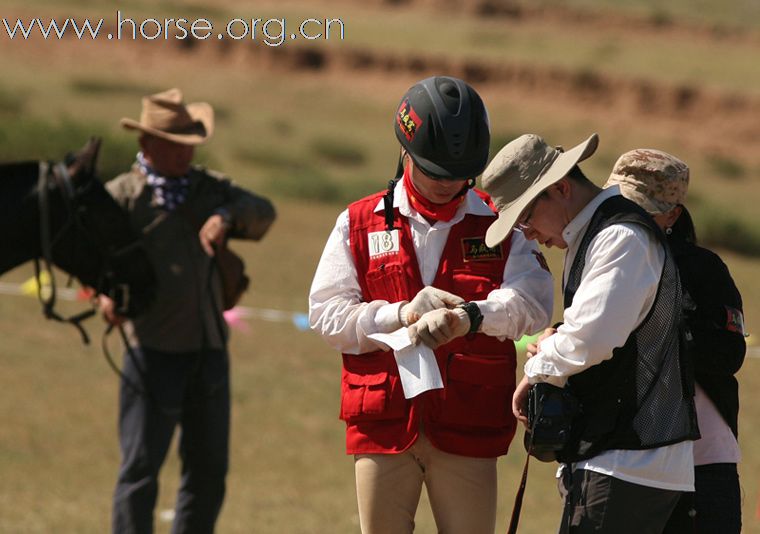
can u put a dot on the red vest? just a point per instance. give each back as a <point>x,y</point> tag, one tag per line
<point>472,415</point>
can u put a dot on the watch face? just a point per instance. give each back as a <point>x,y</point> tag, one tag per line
<point>475,315</point>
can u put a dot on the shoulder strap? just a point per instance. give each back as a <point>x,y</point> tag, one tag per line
<point>388,205</point>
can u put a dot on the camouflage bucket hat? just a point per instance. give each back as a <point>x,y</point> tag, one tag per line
<point>655,180</point>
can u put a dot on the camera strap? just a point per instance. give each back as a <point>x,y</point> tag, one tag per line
<point>515,519</point>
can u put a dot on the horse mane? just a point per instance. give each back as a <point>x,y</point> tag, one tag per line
<point>18,180</point>
<point>87,234</point>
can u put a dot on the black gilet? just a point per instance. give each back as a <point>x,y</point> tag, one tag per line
<point>642,397</point>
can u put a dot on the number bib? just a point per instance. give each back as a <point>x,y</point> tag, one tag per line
<point>383,243</point>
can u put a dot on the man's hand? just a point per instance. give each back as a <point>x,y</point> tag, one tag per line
<point>428,299</point>
<point>520,401</point>
<point>212,233</point>
<point>438,327</point>
<point>107,307</point>
<point>531,349</point>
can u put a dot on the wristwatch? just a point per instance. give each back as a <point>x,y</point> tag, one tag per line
<point>225,215</point>
<point>473,312</point>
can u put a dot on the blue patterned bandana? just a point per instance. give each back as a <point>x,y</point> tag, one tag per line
<point>168,193</point>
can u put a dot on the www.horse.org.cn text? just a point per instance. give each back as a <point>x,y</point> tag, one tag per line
<point>270,31</point>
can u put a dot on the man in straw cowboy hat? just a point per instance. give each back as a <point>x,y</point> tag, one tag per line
<point>176,371</point>
<point>629,453</point>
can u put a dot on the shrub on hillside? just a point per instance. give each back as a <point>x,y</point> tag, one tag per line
<point>339,152</point>
<point>308,183</point>
<point>99,87</point>
<point>726,167</point>
<point>42,140</point>
<point>52,140</point>
<point>717,228</point>
<point>499,140</point>
<point>267,157</point>
<point>11,103</point>
<point>298,177</point>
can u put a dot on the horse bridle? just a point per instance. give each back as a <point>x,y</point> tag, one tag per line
<point>59,174</point>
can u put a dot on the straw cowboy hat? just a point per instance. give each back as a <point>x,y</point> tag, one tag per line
<point>521,171</point>
<point>166,116</point>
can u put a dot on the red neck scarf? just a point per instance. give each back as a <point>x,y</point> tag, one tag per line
<point>428,209</point>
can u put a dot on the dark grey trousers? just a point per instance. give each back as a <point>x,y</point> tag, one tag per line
<point>158,392</point>
<point>600,503</point>
<point>716,507</point>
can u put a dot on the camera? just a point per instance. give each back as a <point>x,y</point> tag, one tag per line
<point>550,414</point>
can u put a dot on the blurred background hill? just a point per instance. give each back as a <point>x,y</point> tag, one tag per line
<point>309,123</point>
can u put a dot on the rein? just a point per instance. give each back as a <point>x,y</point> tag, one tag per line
<point>141,386</point>
<point>61,176</point>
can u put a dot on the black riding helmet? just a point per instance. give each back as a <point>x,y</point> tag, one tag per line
<point>443,125</point>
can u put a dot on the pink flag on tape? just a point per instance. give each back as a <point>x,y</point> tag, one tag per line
<point>235,320</point>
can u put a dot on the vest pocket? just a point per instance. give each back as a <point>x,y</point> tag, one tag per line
<point>374,396</point>
<point>388,282</point>
<point>478,392</point>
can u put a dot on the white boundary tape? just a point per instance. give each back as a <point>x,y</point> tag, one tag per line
<point>65,293</point>
<point>299,319</point>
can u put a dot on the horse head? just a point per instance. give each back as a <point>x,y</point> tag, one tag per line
<point>95,241</point>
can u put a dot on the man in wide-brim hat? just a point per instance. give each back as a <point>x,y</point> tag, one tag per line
<point>177,369</point>
<point>628,456</point>
<point>166,116</point>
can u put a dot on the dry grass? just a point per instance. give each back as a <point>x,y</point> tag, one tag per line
<point>58,449</point>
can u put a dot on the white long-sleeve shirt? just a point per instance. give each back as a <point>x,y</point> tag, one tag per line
<point>523,303</point>
<point>618,286</point>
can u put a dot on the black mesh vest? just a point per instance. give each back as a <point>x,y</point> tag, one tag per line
<point>642,397</point>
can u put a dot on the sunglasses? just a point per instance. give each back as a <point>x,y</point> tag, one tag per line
<point>442,178</point>
<point>400,172</point>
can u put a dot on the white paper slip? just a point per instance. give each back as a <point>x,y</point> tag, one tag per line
<point>416,364</point>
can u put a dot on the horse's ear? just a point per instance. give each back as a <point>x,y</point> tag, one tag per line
<point>83,165</point>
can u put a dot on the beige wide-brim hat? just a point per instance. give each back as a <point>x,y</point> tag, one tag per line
<point>165,115</point>
<point>521,171</point>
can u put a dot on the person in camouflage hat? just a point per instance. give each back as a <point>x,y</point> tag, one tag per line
<point>712,313</point>
<point>655,180</point>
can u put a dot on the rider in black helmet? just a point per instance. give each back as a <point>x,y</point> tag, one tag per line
<point>443,125</point>
<point>415,258</point>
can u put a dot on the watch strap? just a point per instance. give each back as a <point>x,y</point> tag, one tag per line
<point>475,315</point>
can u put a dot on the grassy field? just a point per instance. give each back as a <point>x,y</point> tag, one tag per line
<point>314,139</point>
<point>58,450</point>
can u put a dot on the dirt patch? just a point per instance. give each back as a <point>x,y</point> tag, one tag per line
<point>709,120</point>
<point>659,22</point>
